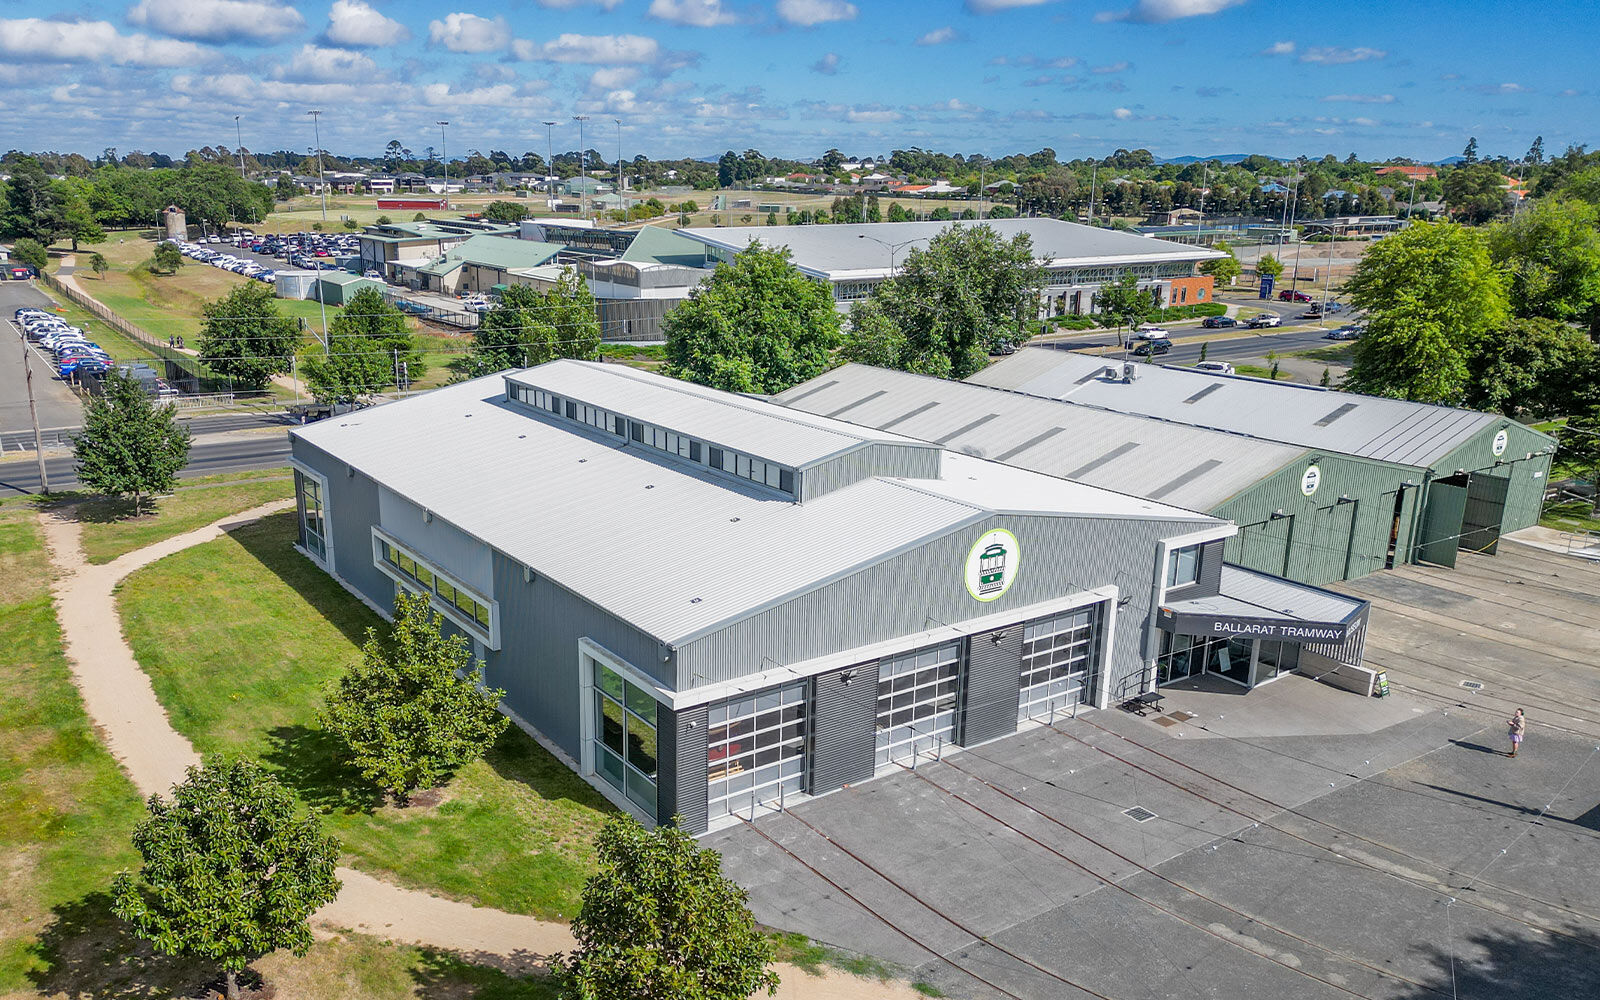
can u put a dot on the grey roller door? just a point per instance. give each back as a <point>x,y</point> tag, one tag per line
<point>1442,522</point>
<point>989,696</point>
<point>843,736</point>
<point>1485,510</point>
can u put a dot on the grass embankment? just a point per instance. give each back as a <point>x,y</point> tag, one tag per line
<point>241,635</point>
<point>110,529</point>
<point>66,812</point>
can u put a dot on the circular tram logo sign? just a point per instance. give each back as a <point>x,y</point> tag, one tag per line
<point>1310,480</point>
<point>992,564</point>
<point>1500,441</point>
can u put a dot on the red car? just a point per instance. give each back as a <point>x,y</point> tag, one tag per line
<point>1290,295</point>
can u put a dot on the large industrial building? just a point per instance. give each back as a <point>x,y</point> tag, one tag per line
<point>854,259</point>
<point>1324,485</point>
<point>705,603</point>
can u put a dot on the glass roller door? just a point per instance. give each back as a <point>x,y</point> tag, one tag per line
<point>755,749</point>
<point>1059,660</point>
<point>917,702</point>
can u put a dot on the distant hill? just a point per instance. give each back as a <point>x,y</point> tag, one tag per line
<point>1220,158</point>
<point>1448,161</point>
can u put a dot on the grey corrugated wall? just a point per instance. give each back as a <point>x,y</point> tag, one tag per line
<point>1060,556</point>
<point>843,727</point>
<point>993,684</point>
<point>1529,476</point>
<point>681,767</point>
<point>912,462</point>
<point>352,509</point>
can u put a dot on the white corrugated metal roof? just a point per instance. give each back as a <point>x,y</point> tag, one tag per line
<point>740,423</point>
<point>1387,430</point>
<point>664,544</point>
<point>1159,459</point>
<point>1247,593</point>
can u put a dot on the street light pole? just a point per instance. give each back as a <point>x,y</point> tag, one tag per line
<point>620,200</point>
<point>33,413</point>
<point>550,161</point>
<point>444,157</point>
<point>316,128</point>
<point>583,169</point>
<point>239,133</point>
<point>1094,175</point>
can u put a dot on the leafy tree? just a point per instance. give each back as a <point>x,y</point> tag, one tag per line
<point>285,188</point>
<point>1535,154</point>
<point>1580,446</point>
<point>245,337</point>
<point>77,218</point>
<point>351,224</point>
<point>875,340</point>
<point>661,922</point>
<point>1001,212</point>
<point>367,315</point>
<point>384,220</point>
<point>1223,269</point>
<point>420,217</point>
<point>167,258</point>
<point>1475,194</point>
<point>1534,366</point>
<point>528,327</point>
<point>230,870</point>
<point>1431,294</point>
<point>772,218</point>
<point>755,325</point>
<point>1327,377</point>
<point>1124,301</point>
<point>1269,267</point>
<point>129,444</point>
<point>412,712</point>
<point>505,211</point>
<point>99,265</point>
<point>1469,156</point>
<point>898,213</point>
<point>968,290</point>
<point>31,208</point>
<point>1551,253</point>
<point>31,253</point>
<point>352,370</point>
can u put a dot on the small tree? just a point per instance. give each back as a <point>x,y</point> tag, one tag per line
<point>1327,378</point>
<point>1124,301</point>
<point>661,922</point>
<point>505,211</point>
<point>316,227</point>
<point>167,259</point>
<point>1203,349</point>
<point>420,217</point>
<point>231,870</point>
<point>245,337</point>
<point>1269,267</point>
<point>412,712</point>
<point>384,220</point>
<point>98,264</point>
<point>129,444</point>
<point>31,253</point>
<point>1580,446</point>
<point>1223,270</point>
<point>351,224</point>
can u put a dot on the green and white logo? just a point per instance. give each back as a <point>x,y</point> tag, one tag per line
<point>1500,441</point>
<point>992,564</point>
<point>1310,480</point>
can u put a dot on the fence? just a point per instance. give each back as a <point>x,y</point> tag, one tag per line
<point>181,368</point>
<point>422,310</point>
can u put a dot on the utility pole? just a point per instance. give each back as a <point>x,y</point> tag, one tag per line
<point>444,157</point>
<point>583,169</point>
<point>33,412</point>
<point>239,133</point>
<point>550,161</point>
<point>1205,177</point>
<point>621,202</point>
<point>1094,175</point>
<point>316,128</point>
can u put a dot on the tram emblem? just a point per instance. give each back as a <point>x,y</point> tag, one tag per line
<point>992,564</point>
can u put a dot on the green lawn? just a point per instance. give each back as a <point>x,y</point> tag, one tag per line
<point>1571,515</point>
<point>110,530</point>
<point>1342,353</point>
<point>241,635</point>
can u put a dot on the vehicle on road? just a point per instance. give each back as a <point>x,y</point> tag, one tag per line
<point>1215,367</point>
<point>1344,333</point>
<point>1264,320</point>
<point>1154,347</point>
<point>1218,322</point>
<point>1291,295</point>
<point>1149,331</point>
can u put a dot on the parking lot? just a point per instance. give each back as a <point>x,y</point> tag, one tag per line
<point>57,406</point>
<point>1304,842</point>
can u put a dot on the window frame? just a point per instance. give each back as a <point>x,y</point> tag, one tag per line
<point>1176,559</point>
<point>303,473</point>
<point>445,592</point>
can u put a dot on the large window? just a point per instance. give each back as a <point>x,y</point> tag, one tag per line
<point>1059,656</point>
<point>755,749</point>
<point>1183,566</point>
<point>460,605</point>
<point>917,702</point>
<point>313,517</point>
<point>625,737</point>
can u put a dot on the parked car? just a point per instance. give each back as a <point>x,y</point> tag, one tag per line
<point>1154,347</point>
<point>1214,367</point>
<point>1265,319</point>
<point>1291,295</point>
<point>1218,322</point>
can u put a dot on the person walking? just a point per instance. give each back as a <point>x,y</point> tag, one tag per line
<point>1518,725</point>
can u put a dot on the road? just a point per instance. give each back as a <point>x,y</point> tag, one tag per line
<point>199,426</point>
<point>208,456</point>
<point>58,407</point>
<point>1252,346</point>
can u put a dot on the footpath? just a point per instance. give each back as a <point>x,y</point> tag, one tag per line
<point>123,706</point>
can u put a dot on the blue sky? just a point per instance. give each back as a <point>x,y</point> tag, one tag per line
<point>793,77</point>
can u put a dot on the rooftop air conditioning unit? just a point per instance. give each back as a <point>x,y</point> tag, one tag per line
<point>1128,370</point>
<point>1112,373</point>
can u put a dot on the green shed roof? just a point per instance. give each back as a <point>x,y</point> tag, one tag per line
<point>655,245</point>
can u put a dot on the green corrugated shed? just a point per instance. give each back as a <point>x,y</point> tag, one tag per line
<point>336,289</point>
<point>655,245</point>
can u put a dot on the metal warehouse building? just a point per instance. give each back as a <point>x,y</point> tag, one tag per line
<point>705,602</point>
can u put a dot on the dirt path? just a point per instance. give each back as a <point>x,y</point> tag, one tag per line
<point>123,706</point>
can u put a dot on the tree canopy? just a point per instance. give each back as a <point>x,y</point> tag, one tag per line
<point>1431,294</point>
<point>1537,367</point>
<point>1475,193</point>
<point>1124,300</point>
<point>129,444</point>
<point>528,327</point>
<point>755,325</point>
<point>661,922</point>
<point>245,337</point>
<point>412,711</point>
<point>231,870</point>
<point>1551,254</point>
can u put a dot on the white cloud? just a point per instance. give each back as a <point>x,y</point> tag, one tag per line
<point>694,13</point>
<point>872,116</point>
<point>993,6</point>
<point>1361,98</point>
<point>1333,55</point>
<point>1116,67</point>
<point>218,20</point>
<point>444,95</point>
<point>828,65</point>
<point>30,39</point>
<point>1279,49</point>
<point>571,4</point>
<point>461,32</point>
<point>600,50</point>
<point>613,78</point>
<point>938,36</point>
<point>354,24</point>
<point>1161,11</point>
<point>808,13</point>
<point>1122,114</point>
<point>313,63</point>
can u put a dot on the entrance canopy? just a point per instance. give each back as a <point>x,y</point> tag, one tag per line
<point>1256,605</point>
